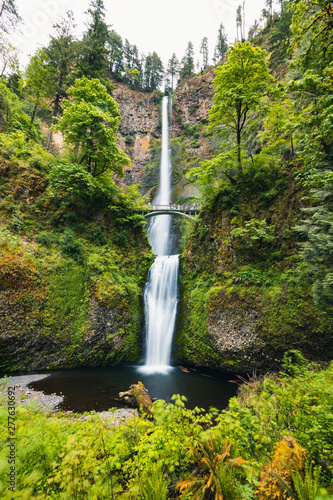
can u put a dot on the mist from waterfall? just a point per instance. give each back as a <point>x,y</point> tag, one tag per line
<point>161,290</point>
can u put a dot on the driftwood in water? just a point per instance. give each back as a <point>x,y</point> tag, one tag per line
<point>138,397</point>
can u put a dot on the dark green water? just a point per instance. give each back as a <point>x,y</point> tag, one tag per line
<point>87,389</point>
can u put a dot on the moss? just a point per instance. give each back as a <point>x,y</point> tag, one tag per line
<point>70,284</point>
<point>244,243</point>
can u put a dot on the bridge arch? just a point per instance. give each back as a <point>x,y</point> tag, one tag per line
<point>147,215</point>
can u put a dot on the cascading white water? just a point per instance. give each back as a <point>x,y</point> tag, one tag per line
<point>161,291</point>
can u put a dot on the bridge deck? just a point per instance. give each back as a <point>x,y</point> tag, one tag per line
<point>185,209</point>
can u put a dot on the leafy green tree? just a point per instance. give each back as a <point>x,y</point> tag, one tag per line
<point>241,85</point>
<point>132,76</point>
<point>173,68</point>
<point>222,44</point>
<point>93,62</point>
<point>187,63</point>
<point>89,123</point>
<point>39,78</point>
<point>204,52</point>
<point>9,16</point>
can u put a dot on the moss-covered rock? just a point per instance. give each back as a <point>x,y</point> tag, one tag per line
<point>71,278</point>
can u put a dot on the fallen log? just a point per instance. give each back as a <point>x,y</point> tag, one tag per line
<point>137,397</point>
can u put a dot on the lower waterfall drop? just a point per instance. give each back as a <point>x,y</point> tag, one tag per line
<point>161,290</point>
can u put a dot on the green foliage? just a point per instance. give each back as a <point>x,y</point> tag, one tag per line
<point>317,250</point>
<point>17,145</point>
<point>39,79</point>
<point>153,75</point>
<point>241,84</point>
<point>73,183</point>
<point>255,230</point>
<point>202,455</point>
<point>45,238</point>
<point>12,116</point>
<point>89,123</point>
<point>93,59</point>
<point>70,247</point>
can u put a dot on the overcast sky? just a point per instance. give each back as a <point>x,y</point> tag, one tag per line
<point>152,25</point>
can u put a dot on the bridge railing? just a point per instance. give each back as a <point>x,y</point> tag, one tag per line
<point>180,208</point>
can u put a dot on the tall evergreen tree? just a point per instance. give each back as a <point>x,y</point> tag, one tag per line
<point>279,41</point>
<point>116,50</point>
<point>269,5</point>
<point>187,64</point>
<point>93,62</point>
<point>133,65</point>
<point>239,24</point>
<point>222,44</point>
<point>204,52</point>
<point>128,54</point>
<point>153,71</point>
<point>173,68</point>
<point>60,56</point>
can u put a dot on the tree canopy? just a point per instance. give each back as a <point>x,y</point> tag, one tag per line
<point>89,124</point>
<point>241,84</point>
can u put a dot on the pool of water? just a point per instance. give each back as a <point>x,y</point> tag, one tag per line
<point>87,389</point>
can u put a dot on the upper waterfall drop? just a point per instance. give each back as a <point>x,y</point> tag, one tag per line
<point>159,228</point>
<point>161,290</point>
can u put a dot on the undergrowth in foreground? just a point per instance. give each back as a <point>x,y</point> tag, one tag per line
<point>274,441</point>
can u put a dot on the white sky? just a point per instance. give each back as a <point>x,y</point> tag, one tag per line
<point>152,25</point>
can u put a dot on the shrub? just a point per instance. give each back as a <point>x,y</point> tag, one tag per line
<point>71,247</point>
<point>46,239</point>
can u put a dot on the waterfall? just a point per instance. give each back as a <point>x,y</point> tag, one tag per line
<point>161,290</point>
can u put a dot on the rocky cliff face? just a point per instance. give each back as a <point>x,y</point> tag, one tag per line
<point>193,100</point>
<point>190,144</point>
<point>139,132</point>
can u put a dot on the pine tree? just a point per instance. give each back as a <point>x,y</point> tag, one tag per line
<point>187,64</point>
<point>222,44</point>
<point>93,62</point>
<point>204,52</point>
<point>116,50</point>
<point>173,68</point>
<point>60,56</point>
<point>153,71</point>
<point>239,23</point>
